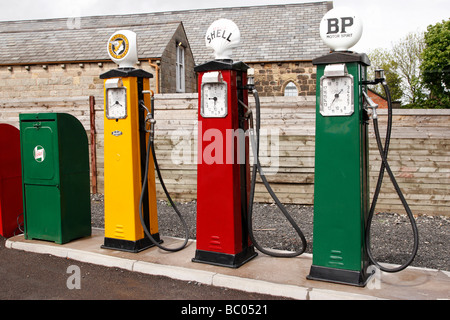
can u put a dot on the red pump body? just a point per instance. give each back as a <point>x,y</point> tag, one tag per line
<point>11,204</point>
<point>223,176</point>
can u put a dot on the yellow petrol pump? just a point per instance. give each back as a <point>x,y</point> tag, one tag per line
<point>125,140</point>
<point>131,214</point>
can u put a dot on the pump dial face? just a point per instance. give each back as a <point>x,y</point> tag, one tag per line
<point>214,100</point>
<point>116,106</point>
<point>336,96</point>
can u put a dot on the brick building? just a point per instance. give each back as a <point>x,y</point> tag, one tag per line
<point>45,58</point>
<point>378,99</point>
<point>63,57</point>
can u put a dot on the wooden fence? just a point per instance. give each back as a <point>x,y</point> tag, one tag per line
<point>419,153</point>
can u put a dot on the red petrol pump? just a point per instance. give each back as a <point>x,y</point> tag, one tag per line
<point>225,127</point>
<point>11,202</point>
<point>223,184</point>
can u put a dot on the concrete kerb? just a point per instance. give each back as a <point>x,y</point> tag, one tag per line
<point>23,246</point>
<point>186,274</point>
<point>261,287</point>
<point>73,254</point>
<point>178,273</point>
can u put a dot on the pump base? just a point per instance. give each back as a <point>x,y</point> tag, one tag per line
<point>349,277</point>
<point>224,259</point>
<point>130,246</point>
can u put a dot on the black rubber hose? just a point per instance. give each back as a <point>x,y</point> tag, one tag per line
<point>385,166</point>
<point>257,168</point>
<point>151,147</point>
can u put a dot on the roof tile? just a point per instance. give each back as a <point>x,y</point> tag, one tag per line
<point>268,33</point>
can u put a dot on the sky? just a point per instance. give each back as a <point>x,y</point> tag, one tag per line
<point>385,21</point>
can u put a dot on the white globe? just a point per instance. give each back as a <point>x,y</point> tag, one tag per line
<point>222,36</point>
<point>341,28</point>
<point>122,48</point>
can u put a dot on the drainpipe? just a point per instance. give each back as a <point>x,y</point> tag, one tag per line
<point>93,144</point>
<point>156,67</point>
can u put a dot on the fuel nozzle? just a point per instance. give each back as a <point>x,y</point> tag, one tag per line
<point>152,129</point>
<point>149,121</point>
<point>372,105</point>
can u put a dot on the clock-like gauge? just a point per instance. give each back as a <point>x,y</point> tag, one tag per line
<point>336,96</point>
<point>214,100</point>
<point>116,106</point>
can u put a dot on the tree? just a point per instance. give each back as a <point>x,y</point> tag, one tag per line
<point>402,68</point>
<point>407,55</point>
<point>436,64</point>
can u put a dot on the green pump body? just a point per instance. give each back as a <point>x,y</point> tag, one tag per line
<point>341,187</point>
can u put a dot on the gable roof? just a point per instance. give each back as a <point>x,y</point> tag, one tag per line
<point>268,33</point>
<point>85,44</point>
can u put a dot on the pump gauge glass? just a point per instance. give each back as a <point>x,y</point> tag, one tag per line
<point>116,105</point>
<point>214,100</point>
<point>336,96</point>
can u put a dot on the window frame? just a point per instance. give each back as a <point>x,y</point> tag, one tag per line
<point>289,89</point>
<point>180,69</point>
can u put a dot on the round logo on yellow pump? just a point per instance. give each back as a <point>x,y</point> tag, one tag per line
<point>118,46</point>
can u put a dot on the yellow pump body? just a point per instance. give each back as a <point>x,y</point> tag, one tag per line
<point>125,142</point>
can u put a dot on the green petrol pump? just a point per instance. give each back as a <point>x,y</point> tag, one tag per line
<point>342,211</point>
<point>341,192</point>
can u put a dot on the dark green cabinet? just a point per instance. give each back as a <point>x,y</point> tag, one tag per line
<point>55,171</point>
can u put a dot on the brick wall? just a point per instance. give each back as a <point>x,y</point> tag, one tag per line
<point>72,80</point>
<point>271,78</point>
<point>82,79</point>
<point>56,81</point>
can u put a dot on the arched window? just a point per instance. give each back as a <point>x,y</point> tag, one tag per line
<point>291,90</point>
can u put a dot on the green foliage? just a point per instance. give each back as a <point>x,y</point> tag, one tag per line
<point>436,64</point>
<point>418,67</point>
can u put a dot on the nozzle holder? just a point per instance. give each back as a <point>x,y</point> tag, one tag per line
<point>379,78</point>
<point>379,75</point>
